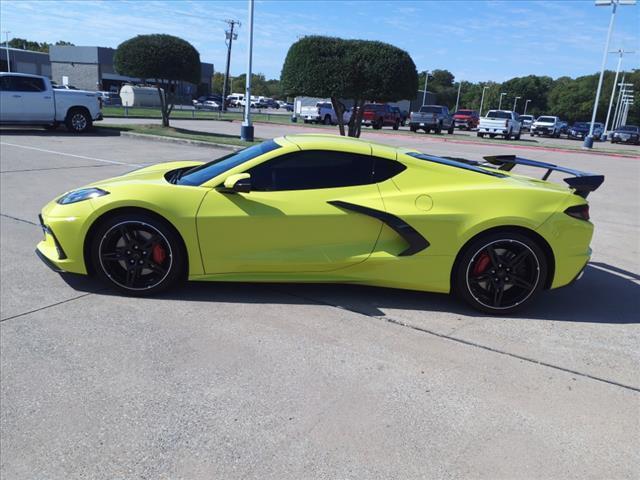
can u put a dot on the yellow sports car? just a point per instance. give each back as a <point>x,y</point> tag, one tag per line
<point>323,208</point>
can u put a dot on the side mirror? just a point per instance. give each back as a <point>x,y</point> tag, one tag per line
<point>239,183</point>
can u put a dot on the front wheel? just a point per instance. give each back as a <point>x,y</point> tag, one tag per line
<point>327,120</point>
<point>396,126</point>
<point>451,129</point>
<point>500,272</point>
<point>78,120</point>
<point>438,129</point>
<point>138,254</point>
<point>413,128</point>
<point>481,135</point>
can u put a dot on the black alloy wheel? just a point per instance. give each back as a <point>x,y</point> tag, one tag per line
<point>139,255</point>
<point>500,273</point>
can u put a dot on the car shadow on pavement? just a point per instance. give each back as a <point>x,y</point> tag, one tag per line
<point>58,132</point>
<point>605,294</point>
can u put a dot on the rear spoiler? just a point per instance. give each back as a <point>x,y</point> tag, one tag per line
<point>581,182</point>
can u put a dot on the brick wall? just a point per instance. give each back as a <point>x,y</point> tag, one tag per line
<point>81,75</point>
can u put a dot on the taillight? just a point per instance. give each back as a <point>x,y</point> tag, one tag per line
<point>581,212</point>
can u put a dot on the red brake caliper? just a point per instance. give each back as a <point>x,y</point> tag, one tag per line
<point>481,265</point>
<point>158,254</point>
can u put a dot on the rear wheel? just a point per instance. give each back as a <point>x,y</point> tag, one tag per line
<point>327,120</point>
<point>481,135</point>
<point>396,126</point>
<point>451,129</point>
<point>500,272</point>
<point>413,128</point>
<point>138,254</point>
<point>438,129</point>
<point>78,120</point>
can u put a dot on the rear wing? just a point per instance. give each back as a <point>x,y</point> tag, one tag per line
<point>582,182</point>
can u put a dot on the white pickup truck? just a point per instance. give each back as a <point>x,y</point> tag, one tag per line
<point>31,100</point>
<point>548,125</point>
<point>500,122</point>
<point>323,112</point>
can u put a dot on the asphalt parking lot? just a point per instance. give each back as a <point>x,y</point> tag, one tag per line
<point>309,381</point>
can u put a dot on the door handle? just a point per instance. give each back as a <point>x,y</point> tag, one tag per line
<point>17,96</point>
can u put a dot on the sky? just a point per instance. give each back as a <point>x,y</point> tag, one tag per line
<point>477,40</point>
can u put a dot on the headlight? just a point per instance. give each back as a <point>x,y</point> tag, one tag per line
<point>82,194</point>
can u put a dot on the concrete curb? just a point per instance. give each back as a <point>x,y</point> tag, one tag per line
<point>181,141</point>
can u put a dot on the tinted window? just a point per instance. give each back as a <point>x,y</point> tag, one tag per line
<point>498,114</point>
<point>5,83</point>
<point>547,119</point>
<point>629,128</point>
<point>203,173</point>
<point>27,84</point>
<point>384,169</point>
<point>454,163</point>
<point>312,169</point>
<point>431,109</point>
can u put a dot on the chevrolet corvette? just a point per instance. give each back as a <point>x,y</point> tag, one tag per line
<point>323,208</point>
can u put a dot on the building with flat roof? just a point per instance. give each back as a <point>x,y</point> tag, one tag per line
<point>25,61</point>
<point>91,68</point>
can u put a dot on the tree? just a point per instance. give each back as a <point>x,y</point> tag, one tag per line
<point>164,58</point>
<point>43,47</point>
<point>357,70</point>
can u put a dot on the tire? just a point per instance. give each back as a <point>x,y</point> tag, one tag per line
<point>396,126</point>
<point>413,128</point>
<point>438,129</point>
<point>492,135</point>
<point>508,136</point>
<point>377,125</point>
<point>327,120</point>
<point>138,254</point>
<point>481,135</point>
<point>427,130</point>
<point>500,272</point>
<point>517,137</point>
<point>78,120</point>
<point>451,129</point>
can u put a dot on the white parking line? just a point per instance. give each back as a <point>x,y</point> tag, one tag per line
<point>114,162</point>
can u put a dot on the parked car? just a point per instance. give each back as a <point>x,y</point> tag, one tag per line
<point>500,122</point>
<point>32,100</point>
<point>208,102</point>
<point>234,99</point>
<point>288,106</point>
<point>467,119</point>
<point>378,115</point>
<point>626,134</point>
<point>579,130</point>
<point>564,127</point>
<point>432,117</point>
<point>271,103</point>
<point>526,121</point>
<point>404,115</point>
<point>322,112</point>
<point>547,125</point>
<point>109,98</point>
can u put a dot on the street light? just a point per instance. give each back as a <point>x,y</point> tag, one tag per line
<point>246,131</point>
<point>230,35</point>
<point>482,99</point>
<point>620,52</point>
<point>624,88</point>
<point>426,80</point>
<point>588,140</point>
<point>525,107</point>
<point>458,99</point>
<point>515,101</point>
<point>500,102</point>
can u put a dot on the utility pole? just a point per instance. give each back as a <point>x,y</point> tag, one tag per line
<point>6,33</point>
<point>482,99</point>
<point>246,131</point>
<point>525,106</point>
<point>458,99</point>
<point>426,80</point>
<point>230,36</point>
<point>620,53</point>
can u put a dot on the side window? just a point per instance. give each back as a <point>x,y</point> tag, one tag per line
<point>6,83</point>
<point>312,169</point>
<point>28,84</point>
<point>384,169</point>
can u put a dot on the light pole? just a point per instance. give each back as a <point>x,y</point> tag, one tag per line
<point>458,99</point>
<point>246,131</point>
<point>625,91</point>
<point>588,140</point>
<point>6,33</point>
<point>482,99</point>
<point>500,102</point>
<point>515,101</point>
<point>231,36</point>
<point>616,111</point>
<point>525,107</point>
<point>620,52</point>
<point>625,112</point>
<point>426,80</point>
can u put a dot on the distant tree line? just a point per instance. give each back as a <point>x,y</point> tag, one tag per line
<point>569,98</point>
<point>43,47</point>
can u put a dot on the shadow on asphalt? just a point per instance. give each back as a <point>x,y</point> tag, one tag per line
<point>58,132</point>
<point>598,297</point>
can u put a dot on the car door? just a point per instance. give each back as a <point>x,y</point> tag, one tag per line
<point>289,222</point>
<point>36,102</point>
<point>10,100</point>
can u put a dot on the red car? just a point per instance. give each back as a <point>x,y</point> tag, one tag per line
<point>467,119</point>
<point>378,115</point>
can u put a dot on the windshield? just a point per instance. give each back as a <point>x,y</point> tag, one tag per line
<point>581,125</point>
<point>498,114</point>
<point>526,117</point>
<point>203,173</point>
<point>547,119</point>
<point>430,109</point>
<point>464,112</point>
